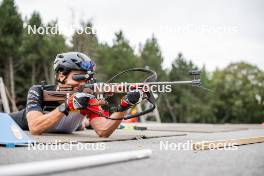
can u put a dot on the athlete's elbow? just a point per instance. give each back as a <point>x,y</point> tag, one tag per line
<point>103,134</point>
<point>35,130</point>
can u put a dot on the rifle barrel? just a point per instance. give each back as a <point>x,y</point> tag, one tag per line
<point>118,87</point>
<point>145,83</point>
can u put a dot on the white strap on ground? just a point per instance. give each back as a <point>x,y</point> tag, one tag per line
<point>50,166</point>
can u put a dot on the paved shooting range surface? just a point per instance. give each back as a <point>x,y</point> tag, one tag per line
<point>246,160</point>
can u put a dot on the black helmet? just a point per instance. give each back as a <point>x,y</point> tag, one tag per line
<point>66,62</point>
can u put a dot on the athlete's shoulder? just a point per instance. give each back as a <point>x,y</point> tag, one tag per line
<point>34,98</point>
<point>35,90</point>
<point>40,88</point>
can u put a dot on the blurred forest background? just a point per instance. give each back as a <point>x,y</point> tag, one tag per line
<point>237,91</point>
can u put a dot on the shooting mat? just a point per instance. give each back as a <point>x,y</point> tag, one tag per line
<point>90,136</point>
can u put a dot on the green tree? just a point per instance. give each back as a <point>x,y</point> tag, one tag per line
<point>151,56</point>
<point>53,45</point>
<point>33,47</point>
<point>180,98</point>
<point>85,40</point>
<point>190,104</point>
<point>11,28</point>
<point>39,52</point>
<point>118,57</point>
<point>239,94</point>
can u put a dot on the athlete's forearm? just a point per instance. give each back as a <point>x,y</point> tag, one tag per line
<point>39,123</point>
<point>105,127</point>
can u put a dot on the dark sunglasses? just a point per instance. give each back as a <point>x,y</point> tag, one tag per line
<point>82,77</point>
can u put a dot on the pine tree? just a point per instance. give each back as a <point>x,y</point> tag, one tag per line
<point>53,45</point>
<point>11,27</point>
<point>86,42</point>
<point>33,47</point>
<point>151,56</point>
<point>118,57</point>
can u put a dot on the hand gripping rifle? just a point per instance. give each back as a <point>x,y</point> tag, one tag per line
<point>103,89</point>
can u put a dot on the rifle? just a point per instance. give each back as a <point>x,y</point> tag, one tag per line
<point>102,89</point>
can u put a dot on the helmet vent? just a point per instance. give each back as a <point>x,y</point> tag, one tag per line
<point>61,56</point>
<point>80,56</point>
<point>73,60</point>
<point>78,64</point>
